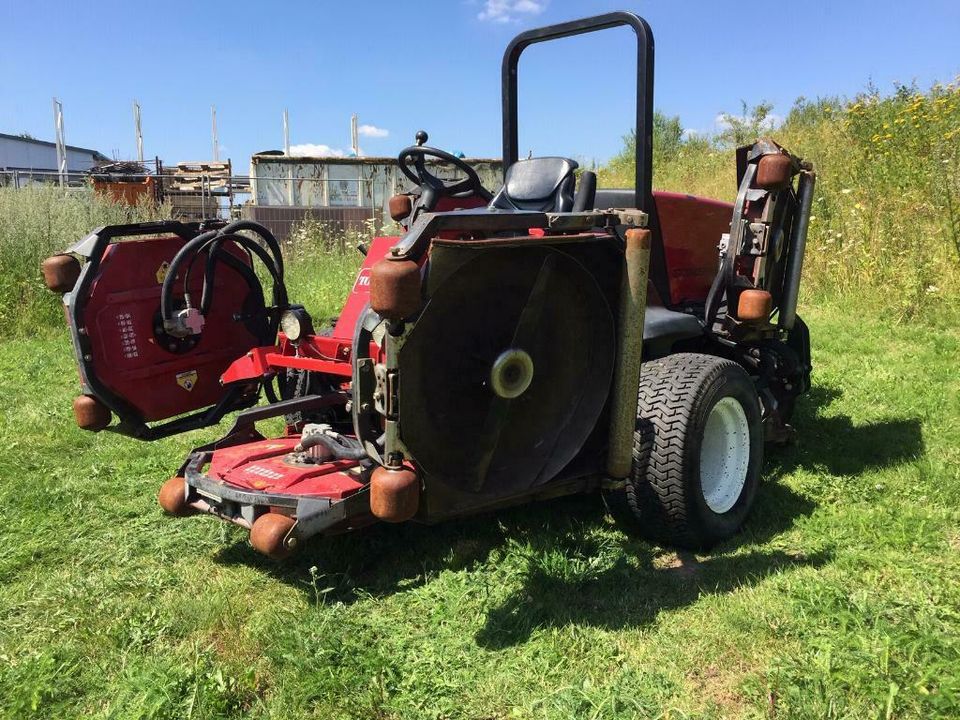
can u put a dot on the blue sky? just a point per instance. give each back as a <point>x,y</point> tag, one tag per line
<point>434,65</point>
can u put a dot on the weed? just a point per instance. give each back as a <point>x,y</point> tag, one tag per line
<point>886,217</point>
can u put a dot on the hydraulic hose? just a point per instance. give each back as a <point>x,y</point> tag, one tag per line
<point>341,447</point>
<point>254,247</point>
<point>264,233</point>
<point>215,238</point>
<point>218,254</point>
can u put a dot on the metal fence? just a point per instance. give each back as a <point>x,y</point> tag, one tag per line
<point>329,202</point>
<point>281,195</point>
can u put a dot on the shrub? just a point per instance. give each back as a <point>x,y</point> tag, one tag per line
<point>886,221</point>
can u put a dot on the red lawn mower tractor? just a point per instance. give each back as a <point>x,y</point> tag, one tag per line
<point>545,339</point>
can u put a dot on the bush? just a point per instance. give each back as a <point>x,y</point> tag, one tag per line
<point>886,221</point>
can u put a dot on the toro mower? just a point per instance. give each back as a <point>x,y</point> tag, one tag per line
<point>542,339</point>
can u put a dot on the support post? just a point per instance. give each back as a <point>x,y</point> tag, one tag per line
<point>213,124</point>
<point>798,244</point>
<point>136,123</point>
<point>626,378</point>
<point>61,142</point>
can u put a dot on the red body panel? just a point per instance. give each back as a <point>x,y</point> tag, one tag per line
<point>261,466</point>
<point>120,314</point>
<point>690,230</point>
<point>327,354</point>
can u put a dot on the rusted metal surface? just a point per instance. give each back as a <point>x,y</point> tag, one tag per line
<point>754,305</point>
<point>90,413</point>
<point>395,291</point>
<point>400,206</point>
<point>269,535</point>
<point>173,497</point>
<point>394,494</point>
<point>60,272</point>
<point>127,192</point>
<point>774,172</point>
<point>626,379</point>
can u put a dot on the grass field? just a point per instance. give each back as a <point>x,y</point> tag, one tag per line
<point>841,598</point>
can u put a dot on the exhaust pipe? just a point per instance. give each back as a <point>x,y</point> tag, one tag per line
<point>798,244</point>
<point>626,378</point>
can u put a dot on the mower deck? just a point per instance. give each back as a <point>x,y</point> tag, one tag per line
<point>241,482</point>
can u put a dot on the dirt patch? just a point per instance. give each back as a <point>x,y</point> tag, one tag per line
<point>682,565</point>
<point>718,688</point>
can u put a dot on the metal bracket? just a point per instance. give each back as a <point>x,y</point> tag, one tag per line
<point>313,516</point>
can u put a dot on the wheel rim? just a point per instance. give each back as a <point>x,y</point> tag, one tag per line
<point>724,455</point>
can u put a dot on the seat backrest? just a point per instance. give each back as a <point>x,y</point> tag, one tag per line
<point>540,184</point>
<point>608,198</point>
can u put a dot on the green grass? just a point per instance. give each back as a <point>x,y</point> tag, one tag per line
<point>841,598</point>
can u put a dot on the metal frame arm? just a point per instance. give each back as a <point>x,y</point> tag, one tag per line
<point>644,113</point>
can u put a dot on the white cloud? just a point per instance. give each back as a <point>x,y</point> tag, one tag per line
<point>372,131</point>
<point>770,122</point>
<point>505,11</point>
<point>721,122</point>
<point>313,150</point>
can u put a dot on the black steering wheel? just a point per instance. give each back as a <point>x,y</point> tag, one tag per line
<point>432,187</point>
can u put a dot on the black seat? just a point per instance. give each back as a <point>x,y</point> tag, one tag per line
<point>539,184</point>
<point>615,198</point>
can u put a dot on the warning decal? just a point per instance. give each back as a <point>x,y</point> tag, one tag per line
<point>187,380</point>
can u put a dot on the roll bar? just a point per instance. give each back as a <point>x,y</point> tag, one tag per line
<point>644,119</point>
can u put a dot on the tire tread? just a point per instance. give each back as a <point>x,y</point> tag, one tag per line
<point>656,493</point>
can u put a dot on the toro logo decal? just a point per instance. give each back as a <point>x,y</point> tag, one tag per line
<point>263,472</point>
<point>363,281</point>
<point>187,380</point>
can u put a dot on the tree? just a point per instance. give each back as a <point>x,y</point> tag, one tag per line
<point>668,140</point>
<point>737,130</point>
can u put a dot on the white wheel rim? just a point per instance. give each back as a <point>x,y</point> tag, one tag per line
<point>724,455</point>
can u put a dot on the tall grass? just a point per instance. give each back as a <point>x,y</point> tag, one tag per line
<point>886,219</point>
<point>885,229</point>
<point>35,223</point>
<point>321,262</point>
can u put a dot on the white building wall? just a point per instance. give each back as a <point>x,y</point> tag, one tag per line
<point>278,180</point>
<point>23,154</point>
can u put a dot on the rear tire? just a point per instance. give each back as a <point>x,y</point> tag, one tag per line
<point>698,451</point>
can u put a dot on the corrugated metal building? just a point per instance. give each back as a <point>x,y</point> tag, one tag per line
<point>344,192</point>
<point>27,154</point>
